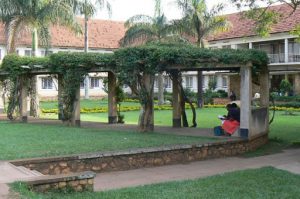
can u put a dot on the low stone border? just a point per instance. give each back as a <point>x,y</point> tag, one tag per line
<point>76,181</point>
<point>139,158</point>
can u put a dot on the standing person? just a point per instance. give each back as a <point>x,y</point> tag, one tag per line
<point>232,96</point>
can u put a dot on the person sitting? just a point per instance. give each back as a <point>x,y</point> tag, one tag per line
<point>230,122</point>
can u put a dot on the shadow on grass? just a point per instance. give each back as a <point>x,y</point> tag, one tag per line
<point>275,145</point>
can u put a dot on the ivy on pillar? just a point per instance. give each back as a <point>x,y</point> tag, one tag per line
<point>76,109</point>
<point>23,99</point>
<point>176,100</point>
<point>112,103</point>
<point>246,95</point>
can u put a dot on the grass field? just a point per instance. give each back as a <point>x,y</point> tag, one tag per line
<point>261,183</point>
<point>29,140</point>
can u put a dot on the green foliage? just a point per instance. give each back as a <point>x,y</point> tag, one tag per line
<point>265,19</point>
<point>212,83</point>
<point>130,64</point>
<point>266,182</point>
<point>285,86</point>
<point>279,98</point>
<point>18,69</point>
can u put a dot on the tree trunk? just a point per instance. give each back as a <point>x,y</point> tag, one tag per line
<point>34,101</point>
<point>185,122</point>
<point>160,81</point>
<point>146,119</point>
<point>199,89</point>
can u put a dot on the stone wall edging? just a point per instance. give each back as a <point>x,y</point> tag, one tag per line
<point>76,181</point>
<point>139,158</point>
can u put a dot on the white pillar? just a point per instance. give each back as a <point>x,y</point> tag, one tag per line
<point>246,95</point>
<point>250,45</point>
<point>286,50</point>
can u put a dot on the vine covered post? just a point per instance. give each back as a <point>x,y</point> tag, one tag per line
<point>59,97</point>
<point>146,118</point>
<point>112,103</point>
<point>23,99</point>
<point>265,92</point>
<point>76,109</point>
<point>176,100</point>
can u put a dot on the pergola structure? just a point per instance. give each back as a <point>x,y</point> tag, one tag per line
<point>254,120</point>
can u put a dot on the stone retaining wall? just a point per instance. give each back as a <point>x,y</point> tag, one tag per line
<point>77,182</point>
<point>133,159</point>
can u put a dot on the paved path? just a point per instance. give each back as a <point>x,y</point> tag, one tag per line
<point>289,160</point>
<point>10,173</point>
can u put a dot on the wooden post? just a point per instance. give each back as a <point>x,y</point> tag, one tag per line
<point>59,97</point>
<point>76,109</point>
<point>23,99</point>
<point>112,103</point>
<point>176,100</point>
<point>246,95</point>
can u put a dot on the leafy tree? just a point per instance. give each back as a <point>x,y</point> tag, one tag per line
<point>198,21</point>
<point>143,28</point>
<point>285,86</point>
<point>88,10</point>
<point>36,16</point>
<point>265,17</point>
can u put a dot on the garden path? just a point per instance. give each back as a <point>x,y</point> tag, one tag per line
<point>288,160</point>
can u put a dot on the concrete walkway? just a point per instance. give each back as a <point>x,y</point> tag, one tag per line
<point>288,160</point>
<point>10,173</point>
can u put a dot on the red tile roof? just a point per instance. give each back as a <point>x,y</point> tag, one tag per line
<point>241,27</point>
<point>103,34</point>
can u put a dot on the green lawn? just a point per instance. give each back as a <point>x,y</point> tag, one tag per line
<point>284,131</point>
<point>85,104</point>
<point>261,183</point>
<point>206,117</point>
<point>30,140</point>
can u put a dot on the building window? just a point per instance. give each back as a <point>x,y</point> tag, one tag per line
<point>224,82</point>
<point>45,53</point>
<point>47,83</point>
<point>28,53</point>
<point>167,82</point>
<point>189,81</point>
<point>94,82</point>
<point>226,46</point>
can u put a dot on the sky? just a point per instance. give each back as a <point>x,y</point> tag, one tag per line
<point>124,9</point>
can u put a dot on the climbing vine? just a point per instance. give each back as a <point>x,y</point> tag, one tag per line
<point>134,66</point>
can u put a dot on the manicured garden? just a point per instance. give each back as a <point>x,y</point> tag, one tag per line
<point>261,183</point>
<point>31,140</point>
